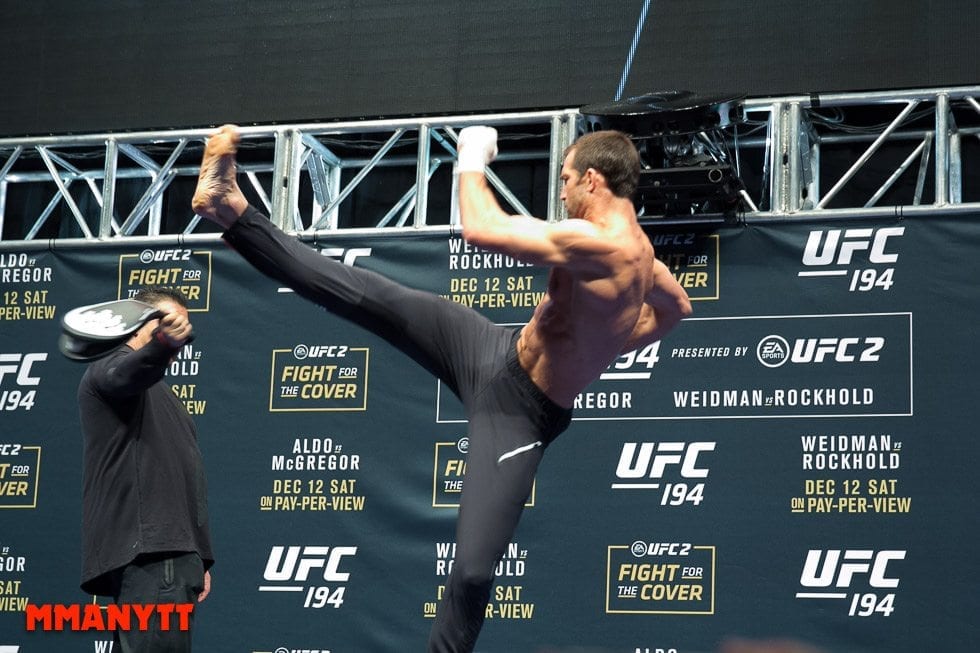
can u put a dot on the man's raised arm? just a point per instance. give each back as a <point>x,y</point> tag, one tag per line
<point>488,226</point>
<point>665,305</point>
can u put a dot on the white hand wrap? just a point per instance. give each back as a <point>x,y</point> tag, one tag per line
<point>476,148</point>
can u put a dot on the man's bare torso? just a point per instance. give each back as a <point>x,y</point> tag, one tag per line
<point>583,321</point>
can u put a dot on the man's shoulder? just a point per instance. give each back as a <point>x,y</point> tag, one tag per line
<point>620,230</point>
<point>100,364</point>
<point>97,373</point>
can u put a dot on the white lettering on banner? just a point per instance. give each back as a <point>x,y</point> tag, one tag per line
<point>634,365</point>
<point>779,397</point>
<point>718,398</point>
<point>14,594</point>
<point>506,601</point>
<point>824,397</point>
<point>25,275</point>
<point>15,260</point>
<point>850,461</point>
<point>704,352</point>
<point>150,256</point>
<point>317,493</point>
<point>640,548</point>
<point>21,365</point>
<point>635,467</point>
<point>859,443</point>
<point>642,463</point>
<point>612,400</point>
<point>10,564</point>
<point>316,462</point>
<point>302,352</point>
<point>829,253</point>
<point>511,563</point>
<point>293,570</point>
<point>843,350</point>
<point>828,247</point>
<point>846,452</point>
<point>297,567</point>
<point>21,268</point>
<point>835,571</point>
<point>774,350</point>
<point>346,256</point>
<point>463,256</point>
<point>677,240</point>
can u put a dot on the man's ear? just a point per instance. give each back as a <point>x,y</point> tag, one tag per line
<point>594,179</point>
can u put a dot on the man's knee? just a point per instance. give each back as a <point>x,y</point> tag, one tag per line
<point>473,579</point>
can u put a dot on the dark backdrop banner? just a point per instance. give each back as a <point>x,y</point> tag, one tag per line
<point>118,64</point>
<point>795,460</point>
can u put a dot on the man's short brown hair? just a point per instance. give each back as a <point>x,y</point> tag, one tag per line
<point>153,295</point>
<point>613,154</point>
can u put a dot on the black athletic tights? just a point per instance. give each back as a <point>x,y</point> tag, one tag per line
<point>510,420</point>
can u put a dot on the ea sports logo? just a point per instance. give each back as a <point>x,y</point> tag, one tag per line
<point>301,352</point>
<point>773,351</point>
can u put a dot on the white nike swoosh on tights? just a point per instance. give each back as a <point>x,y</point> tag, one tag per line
<point>518,450</point>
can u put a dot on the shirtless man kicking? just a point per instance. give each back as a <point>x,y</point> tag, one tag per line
<point>607,295</point>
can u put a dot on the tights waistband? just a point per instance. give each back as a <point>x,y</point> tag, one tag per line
<point>557,417</point>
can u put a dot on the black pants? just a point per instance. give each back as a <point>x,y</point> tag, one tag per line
<point>156,579</point>
<point>510,420</point>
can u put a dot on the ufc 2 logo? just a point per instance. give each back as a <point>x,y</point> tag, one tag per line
<point>837,246</point>
<point>842,350</point>
<point>150,256</point>
<point>651,460</point>
<point>839,568</point>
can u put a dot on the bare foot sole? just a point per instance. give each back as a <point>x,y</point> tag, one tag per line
<point>218,196</point>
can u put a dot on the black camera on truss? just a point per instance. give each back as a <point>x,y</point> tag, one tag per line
<point>687,166</point>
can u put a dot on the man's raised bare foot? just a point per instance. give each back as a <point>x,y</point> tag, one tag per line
<point>218,196</point>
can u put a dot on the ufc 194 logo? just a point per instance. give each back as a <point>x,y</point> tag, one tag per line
<point>634,365</point>
<point>646,465</point>
<point>833,573</point>
<point>19,370</point>
<point>831,253</point>
<point>345,256</point>
<point>316,571</point>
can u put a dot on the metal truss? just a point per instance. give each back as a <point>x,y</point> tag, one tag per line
<point>894,153</point>
<point>843,155</point>
<point>301,174</point>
